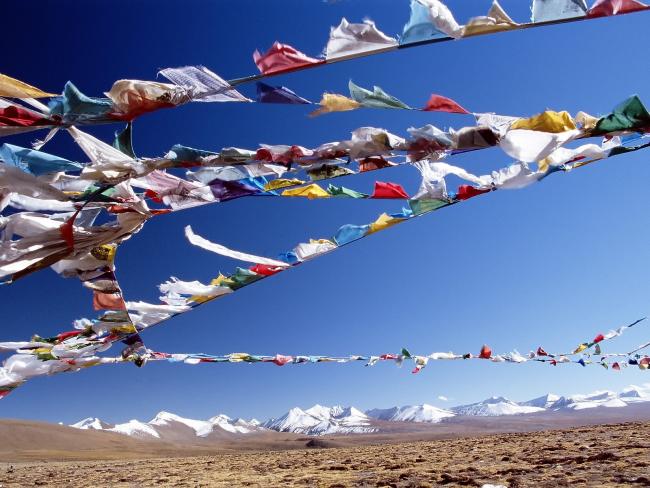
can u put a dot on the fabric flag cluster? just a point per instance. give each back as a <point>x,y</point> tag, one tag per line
<point>72,216</point>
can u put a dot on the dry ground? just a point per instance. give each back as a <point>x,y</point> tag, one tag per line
<point>604,455</point>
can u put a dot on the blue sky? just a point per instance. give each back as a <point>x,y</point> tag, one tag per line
<point>552,264</point>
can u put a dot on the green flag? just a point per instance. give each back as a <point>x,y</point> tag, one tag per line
<point>629,115</point>
<point>341,191</point>
<point>427,205</point>
<point>377,98</point>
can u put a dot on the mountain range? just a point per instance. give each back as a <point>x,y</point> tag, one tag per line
<point>320,420</point>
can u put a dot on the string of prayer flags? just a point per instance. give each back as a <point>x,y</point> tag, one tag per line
<point>430,21</point>
<point>350,233</point>
<point>55,204</point>
<point>111,166</point>
<point>47,356</point>
<point>146,315</point>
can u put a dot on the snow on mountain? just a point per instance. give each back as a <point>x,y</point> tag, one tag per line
<point>382,413</point>
<point>201,427</point>
<point>135,428</point>
<point>239,426</point>
<point>320,420</point>
<point>591,400</point>
<point>248,423</point>
<point>634,393</point>
<point>493,407</point>
<point>167,423</point>
<point>92,423</point>
<point>411,413</point>
<point>544,401</point>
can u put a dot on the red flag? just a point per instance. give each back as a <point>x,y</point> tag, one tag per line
<point>386,357</point>
<point>66,234</point>
<point>388,190</point>
<point>282,57</point>
<point>265,269</point>
<point>153,196</point>
<point>465,192</point>
<point>598,338</point>
<point>67,230</point>
<point>108,301</point>
<point>15,116</point>
<point>66,335</point>
<point>281,360</point>
<point>486,352</point>
<point>604,8</point>
<point>370,164</point>
<point>438,103</point>
<point>287,156</point>
<point>616,367</point>
<point>541,352</point>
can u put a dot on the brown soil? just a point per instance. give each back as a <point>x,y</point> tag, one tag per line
<point>604,455</point>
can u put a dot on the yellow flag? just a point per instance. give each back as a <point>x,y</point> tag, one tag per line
<point>13,88</point>
<point>496,20</point>
<point>310,191</point>
<point>238,357</point>
<point>332,102</point>
<point>580,348</point>
<point>383,222</point>
<point>586,121</point>
<point>548,121</point>
<point>220,280</point>
<point>124,329</point>
<point>281,183</point>
<point>105,252</point>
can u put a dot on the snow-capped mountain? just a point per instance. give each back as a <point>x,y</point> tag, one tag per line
<point>170,425</point>
<point>411,413</point>
<point>497,406</point>
<point>544,401</point>
<point>494,407</point>
<point>634,393</point>
<point>592,400</point>
<point>92,423</point>
<point>319,420</point>
<point>135,428</point>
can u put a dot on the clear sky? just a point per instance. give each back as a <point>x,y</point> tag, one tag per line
<point>550,265</point>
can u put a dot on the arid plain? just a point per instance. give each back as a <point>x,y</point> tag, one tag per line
<point>601,455</point>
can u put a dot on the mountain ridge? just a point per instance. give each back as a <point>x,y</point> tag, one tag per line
<point>320,420</point>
